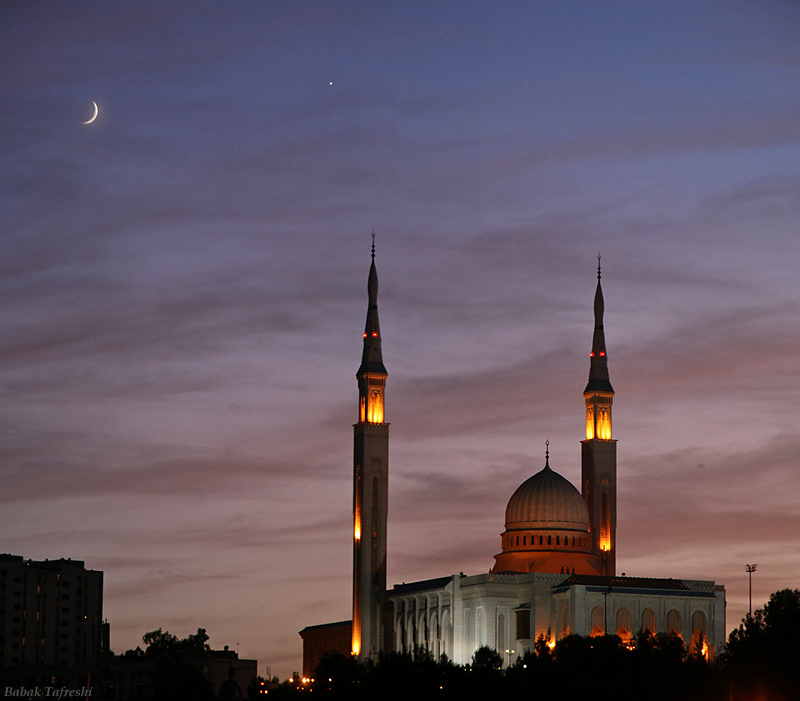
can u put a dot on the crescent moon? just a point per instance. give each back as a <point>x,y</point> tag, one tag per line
<point>94,116</point>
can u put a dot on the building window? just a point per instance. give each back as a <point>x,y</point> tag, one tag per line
<point>605,529</point>
<point>648,621</point>
<point>623,623</point>
<point>541,540</point>
<point>674,622</point>
<point>598,622</point>
<point>523,624</point>
<point>524,540</point>
<point>549,540</point>
<point>699,622</point>
<point>470,641</point>
<point>563,622</point>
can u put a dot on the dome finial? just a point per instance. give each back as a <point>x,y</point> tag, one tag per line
<point>547,452</point>
<point>373,244</point>
<point>598,263</point>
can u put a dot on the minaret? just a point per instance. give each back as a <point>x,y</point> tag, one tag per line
<point>370,486</point>
<point>599,450</point>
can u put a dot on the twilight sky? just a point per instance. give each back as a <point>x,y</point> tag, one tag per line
<point>183,290</point>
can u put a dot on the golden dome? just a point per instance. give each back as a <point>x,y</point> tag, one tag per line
<point>547,528</point>
<point>547,501</point>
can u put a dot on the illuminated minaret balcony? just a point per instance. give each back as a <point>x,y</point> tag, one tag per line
<point>371,389</point>
<point>598,415</point>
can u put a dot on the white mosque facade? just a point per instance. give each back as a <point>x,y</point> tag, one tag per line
<point>556,572</point>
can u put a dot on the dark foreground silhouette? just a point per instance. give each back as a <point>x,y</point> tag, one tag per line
<point>761,661</point>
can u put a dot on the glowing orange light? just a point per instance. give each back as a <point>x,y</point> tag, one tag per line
<point>605,543</point>
<point>604,425</point>
<point>365,334</point>
<point>551,644</point>
<point>357,527</point>
<point>591,355</point>
<point>375,408</point>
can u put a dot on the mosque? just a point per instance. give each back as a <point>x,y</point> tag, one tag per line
<point>555,575</point>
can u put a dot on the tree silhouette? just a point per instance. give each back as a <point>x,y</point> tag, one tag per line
<point>487,658</point>
<point>763,653</point>
<point>176,676</point>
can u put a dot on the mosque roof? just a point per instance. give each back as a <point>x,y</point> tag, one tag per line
<point>628,584</point>
<point>422,585</point>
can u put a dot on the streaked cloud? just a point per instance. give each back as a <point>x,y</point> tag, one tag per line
<point>183,290</point>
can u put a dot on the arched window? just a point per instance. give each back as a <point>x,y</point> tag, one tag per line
<point>445,634</point>
<point>699,622</point>
<point>549,540</point>
<point>541,540</point>
<point>558,540</point>
<point>524,540</point>
<point>674,622</point>
<point>401,634</point>
<point>605,531</point>
<point>623,622</point>
<point>469,639</point>
<point>598,623</point>
<point>563,622</point>
<point>648,621</point>
<point>435,637</point>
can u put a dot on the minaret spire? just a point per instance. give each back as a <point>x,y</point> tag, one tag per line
<point>598,365</point>
<point>370,487</point>
<point>372,357</point>
<point>599,450</point>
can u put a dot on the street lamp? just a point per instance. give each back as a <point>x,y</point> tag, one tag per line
<point>509,653</point>
<point>750,569</point>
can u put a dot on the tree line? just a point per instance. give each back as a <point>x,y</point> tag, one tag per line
<point>760,661</point>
